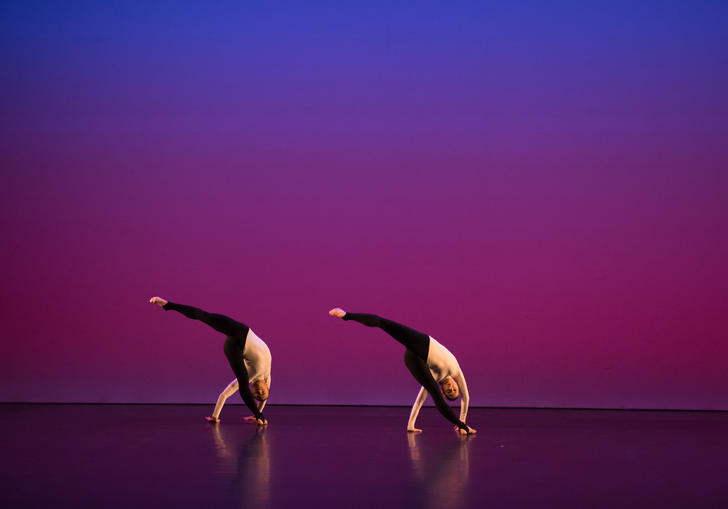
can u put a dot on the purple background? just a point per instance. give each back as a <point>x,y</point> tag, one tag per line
<point>541,187</point>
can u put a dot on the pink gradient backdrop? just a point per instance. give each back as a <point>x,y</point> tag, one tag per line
<point>548,199</point>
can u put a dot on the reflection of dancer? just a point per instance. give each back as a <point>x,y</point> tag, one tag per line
<point>429,362</point>
<point>248,465</point>
<point>441,479</point>
<point>248,356</point>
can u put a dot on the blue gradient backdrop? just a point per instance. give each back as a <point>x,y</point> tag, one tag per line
<point>540,185</point>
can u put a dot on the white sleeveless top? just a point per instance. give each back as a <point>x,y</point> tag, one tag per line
<point>257,358</point>
<point>441,362</point>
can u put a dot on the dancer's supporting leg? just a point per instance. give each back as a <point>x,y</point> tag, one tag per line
<point>415,359</point>
<point>236,333</point>
<point>233,349</point>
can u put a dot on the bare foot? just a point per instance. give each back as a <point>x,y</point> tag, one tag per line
<point>212,419</point>
<point>158,300</point>
<point>414,430</point>
<point>261,422</point>
<point>470,431</point>
<point>337,312</point>
<point>249,418</point>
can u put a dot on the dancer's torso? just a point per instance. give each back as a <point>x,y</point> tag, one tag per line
<point>441,362</point>
<point>257,357</point>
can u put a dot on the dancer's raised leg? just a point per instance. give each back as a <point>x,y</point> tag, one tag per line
<point>410,338</point>
<point>220,323</point>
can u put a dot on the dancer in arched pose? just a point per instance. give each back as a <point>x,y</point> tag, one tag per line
<point>432,365</point>
<point>246,353</point>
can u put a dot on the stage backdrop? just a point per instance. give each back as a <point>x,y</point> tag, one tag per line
<point>541,187</point>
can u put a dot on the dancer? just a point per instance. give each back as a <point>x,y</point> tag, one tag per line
<point>246,353</point>
<point>430,363</point>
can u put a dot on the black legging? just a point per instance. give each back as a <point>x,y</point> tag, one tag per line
<point>415,357</point>
<point>233,347</point>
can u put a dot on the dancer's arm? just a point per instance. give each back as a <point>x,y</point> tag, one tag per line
<point>231,389</point>
<point>464,396</point>
<point>443,407</point>
<point>421,397</point>
<point>261,404</point>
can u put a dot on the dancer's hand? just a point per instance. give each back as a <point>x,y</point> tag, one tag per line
<point>414,430</point>
<point>158,300</point>
<point>337,312</point>
<point>210,418</point>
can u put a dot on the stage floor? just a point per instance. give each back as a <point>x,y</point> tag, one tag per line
<point>168,456</point>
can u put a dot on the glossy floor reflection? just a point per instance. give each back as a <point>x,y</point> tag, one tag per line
<point>160,456</point>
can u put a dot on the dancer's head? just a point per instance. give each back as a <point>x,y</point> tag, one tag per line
<point>260,390</point>
<point>449,388</point>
